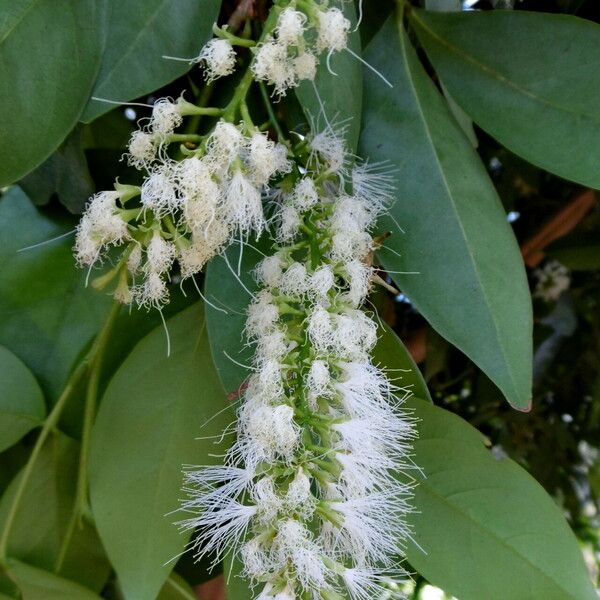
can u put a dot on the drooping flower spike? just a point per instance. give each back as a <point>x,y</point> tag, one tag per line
<point>311,497</point>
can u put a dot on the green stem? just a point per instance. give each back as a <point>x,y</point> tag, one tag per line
<point>189,109</point>
<point>245,112</point>
<point>88,421</point>
<point>243,87</point>
<point>49,425</point>
<point>241,92</point>
<point>272,116</point>
<point>233,39</point>
<point>183,592</point>
<point>184,137</point>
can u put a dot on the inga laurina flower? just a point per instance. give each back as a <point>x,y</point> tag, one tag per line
<point>308,497</point>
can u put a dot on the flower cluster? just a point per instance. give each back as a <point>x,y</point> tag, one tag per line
<point>185,211</point>
<point>290,50</point>
<point>291,54</point>
<point>309,495</point>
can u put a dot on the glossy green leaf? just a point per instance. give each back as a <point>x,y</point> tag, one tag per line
<point>36,584</point>
<point>45,85</point>
<point>526,78</point>
<point>37,534</point>
<point>147,427</point>
<point>139,35</point>
<point>340,95</point>
<point>48,315</point>
<point>485,528</point>
<point>470,282</point>
<point>8,588</point>
<point>21,400</point>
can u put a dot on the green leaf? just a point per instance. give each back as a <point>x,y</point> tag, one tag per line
<point>340,94</point>
<point>8,588</point>
<point>37,535</point>
<point>176,588</point>
<point>139,35</point>
<point>578,252</point>
<point>526,79</point>
<point>153,410</point>
<point>48,314</point>
<point>391,352</point>
<point>45,85</point>
<point>484,528</point>
<point>470,282</point>
<point>65,174</point>
<point>36,584</point>
<point>21,400</point>
<point>238,587</point>
<point>226,331</point>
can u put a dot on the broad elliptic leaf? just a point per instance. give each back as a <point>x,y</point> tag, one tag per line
<point>50,54</point>
<point>37,584</point>
<point>526,78</point>
<point>468,278</point>
<point>148,427</point>
<point>139,35</point>
<point>461,117</point>
<point>37,535</point>
<point>47,314</point>
<point>483,527</point>
<point>21,400</point>
<point>337,88</point>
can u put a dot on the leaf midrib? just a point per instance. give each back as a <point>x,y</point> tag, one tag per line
<point>496,75</point>
<point>19,20</point>
<point>489,533</point>
<point>455,210</point>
